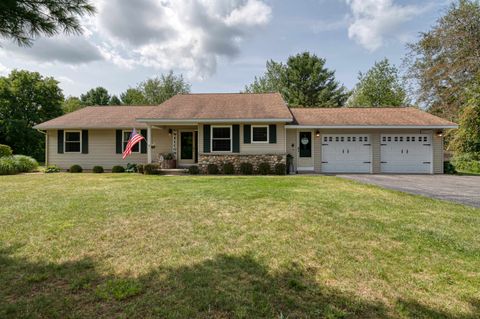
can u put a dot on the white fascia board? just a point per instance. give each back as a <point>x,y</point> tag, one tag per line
<point>196,121</point>
<point>371,126</point>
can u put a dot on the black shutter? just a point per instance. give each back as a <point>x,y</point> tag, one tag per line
<point>84,141</point>
<point>60,141</point>
<point>272,133</point>
<point>236,138</point>
<point>246,134</point>
<point>206,138</point>
<point>119,146</point>
<point>143,143</point>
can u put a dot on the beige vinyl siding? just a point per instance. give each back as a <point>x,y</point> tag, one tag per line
<point>101,151</point>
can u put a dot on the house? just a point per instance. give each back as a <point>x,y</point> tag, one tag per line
<point>214,128</point>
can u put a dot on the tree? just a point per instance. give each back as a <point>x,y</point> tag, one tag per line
<point>380,86</point>
<point>114,100</point>
<point>71,104</point>
<point>27,99</point>
<point>133,97</point>
<point>160,89</point>
<point>97,96</point>
<point>446,59</point>
<point>24,20</point>
<point>303,81</point>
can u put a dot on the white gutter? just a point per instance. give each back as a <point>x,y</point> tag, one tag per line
<point>196,121</point>
<point>371,126</point>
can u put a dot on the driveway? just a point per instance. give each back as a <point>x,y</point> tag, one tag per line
<point>460,189</point>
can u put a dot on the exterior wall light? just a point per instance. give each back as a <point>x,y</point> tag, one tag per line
<point>439,133</point>
<point>317,133</point>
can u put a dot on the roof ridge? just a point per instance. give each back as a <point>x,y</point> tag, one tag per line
<point>228,93</point>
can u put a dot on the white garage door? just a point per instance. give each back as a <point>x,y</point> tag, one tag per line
<point>406,153</point>
<point>346,153</point>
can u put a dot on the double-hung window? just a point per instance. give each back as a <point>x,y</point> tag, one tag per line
<point>221,138</point>
<point>260,133</point>
<point>73,141</point>
<point>126,137</point>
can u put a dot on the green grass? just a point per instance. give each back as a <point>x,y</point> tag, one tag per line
<point>133,246</point>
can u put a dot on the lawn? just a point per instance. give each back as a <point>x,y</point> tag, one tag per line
<point>133,246</point>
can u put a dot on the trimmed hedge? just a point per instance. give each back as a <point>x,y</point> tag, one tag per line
<point>263,168</point>
<point>118,169</point>
<point>193,170</point>
<point>140,168</point>
<point>75,169</point>
<point>5,150</point>
<point>212,169</point>
<point>151,169</point>
<point>228,169</point>
<point>98,169</point>
<point>246,168</point>
<point>280,169</point>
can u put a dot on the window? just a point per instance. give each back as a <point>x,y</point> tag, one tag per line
<point>126,137</point>
<point>73,142</point>
<point>260,134</point>
<point>221,138</point>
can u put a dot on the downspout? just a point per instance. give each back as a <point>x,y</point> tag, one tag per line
<point>46,146</point>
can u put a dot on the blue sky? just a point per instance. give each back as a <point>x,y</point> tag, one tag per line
<point>221,45</point>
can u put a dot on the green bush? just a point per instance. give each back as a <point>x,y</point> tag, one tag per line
<point>52,169</point>
<point>25,163</point>
<point>246,168</point>
<point>97,169</point>
<point>8,166</point>
<point>212,169</point>
<point>469,162</point>
<point>118,169</point>
<point>151,169</point>
<point>280,169</point>
<point>193,170</point>
<point>228,169</point>
<point>5,150</point>
<point>75,169</point>
<point>449,168</point>
<point>140,168</point>
<point>131,168</point>
<point>263,168</point>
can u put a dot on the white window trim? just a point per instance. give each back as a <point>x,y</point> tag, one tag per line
<point>65,140</point>
<point>123,142</point>
<point>211,138</point>
<point>260,142</point>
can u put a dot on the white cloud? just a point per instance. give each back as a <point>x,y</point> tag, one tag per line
<point>4,70</point>
<point>373,21</point>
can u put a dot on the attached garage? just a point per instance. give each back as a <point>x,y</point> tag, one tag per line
<point>406,153</point>
<point>346,153</point>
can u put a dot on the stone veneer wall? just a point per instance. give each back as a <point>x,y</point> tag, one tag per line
<point>237,159</point>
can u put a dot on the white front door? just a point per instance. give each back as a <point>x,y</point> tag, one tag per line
<point>406,153</point>
<point>305,151</point>
<point>346,153</point>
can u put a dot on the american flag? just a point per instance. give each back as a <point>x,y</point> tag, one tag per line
<point>134,139</point>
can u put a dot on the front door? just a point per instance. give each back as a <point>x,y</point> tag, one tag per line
<point>305,151</point>
<point>187,147</point>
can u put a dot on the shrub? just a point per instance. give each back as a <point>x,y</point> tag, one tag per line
<point>131,168</point>
<point>75,169</point>
<point>246,168</point>
<point>140,168</point>
<point>228,169</point>
<point>118,169</point>
<point>8,165</point>
<point>449,168</point>
<point>280,169</point>
<point>212,169</point>
<point>263,168</point>
<point>193,170</point>
<point>468,162</point>
<point>97,169</point>
<point>151,169</point>
<point>5,150</point>
<point>25,163</point>
<point>52,169</point>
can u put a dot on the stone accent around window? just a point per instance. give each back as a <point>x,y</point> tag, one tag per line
<point>237,159</point>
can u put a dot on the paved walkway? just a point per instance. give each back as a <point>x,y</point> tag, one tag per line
<point>460,189</point>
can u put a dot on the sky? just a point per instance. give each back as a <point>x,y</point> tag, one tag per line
<point>221,45</point>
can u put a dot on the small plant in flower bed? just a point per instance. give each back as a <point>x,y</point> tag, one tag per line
<point>193,170</point>
<point>118,169</point>
<point>212,169</point>
<point>263,168</point>
<point>98,169</point>
<point>131,168</point>
<point>52,169</point>
<point>280,169</point>
<point>246,168</point>
<point>75,169</point>
<point>151,169</point>
<point>228,169</point>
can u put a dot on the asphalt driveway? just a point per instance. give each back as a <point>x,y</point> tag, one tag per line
<point>460,189</point>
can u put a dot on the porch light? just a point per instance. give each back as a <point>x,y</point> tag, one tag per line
<point>439,133</point>
<point>317,133</point>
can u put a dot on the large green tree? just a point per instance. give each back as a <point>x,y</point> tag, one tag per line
<point>303,81</point>
<point>379,86</point>
<point>96,96</point>
<point>446,59</point>
<point>133,96</point>
<point>71,104</point>
<point>160,89</point>
<point>24,20</point>
<point>114,100</point>
<point>26,99</point>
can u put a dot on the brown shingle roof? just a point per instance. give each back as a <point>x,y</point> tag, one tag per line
<point>99,117</point>
<point>222,106</point>
<point>398,116</point>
